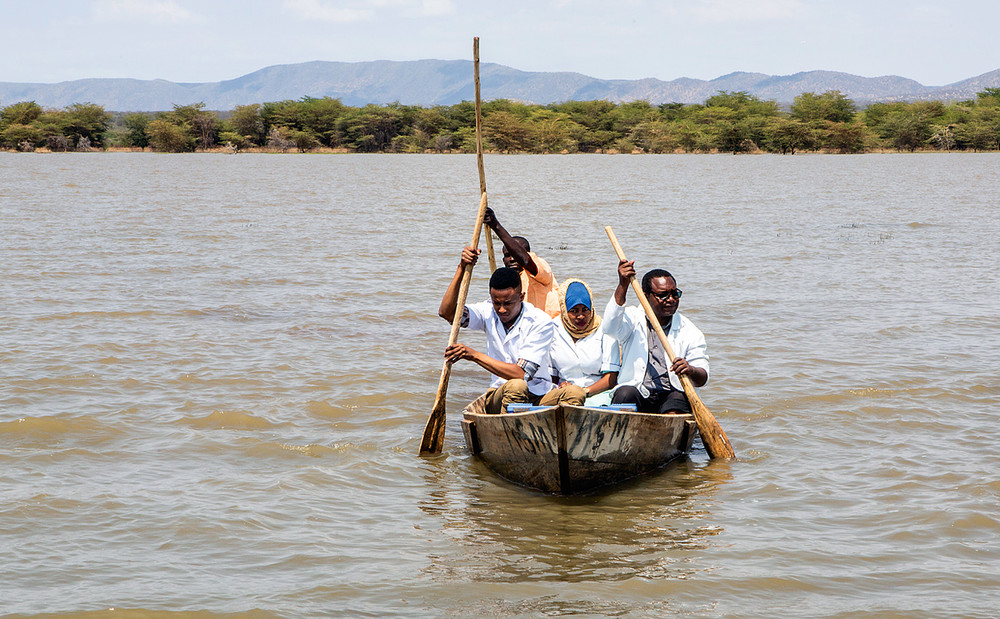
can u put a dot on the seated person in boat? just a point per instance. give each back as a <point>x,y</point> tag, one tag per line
<point>647,379</point>
<point>537,282</point>
<point>518,338</point>
<point>582,354</point>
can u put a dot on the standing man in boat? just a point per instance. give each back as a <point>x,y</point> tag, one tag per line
<point>518,338</point>
<point>647,379</point>
<point>537,282</point>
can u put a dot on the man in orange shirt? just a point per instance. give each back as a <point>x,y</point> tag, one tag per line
<point>539,286</point>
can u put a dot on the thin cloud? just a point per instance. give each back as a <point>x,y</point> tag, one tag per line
<point>745,10</point>
<point>314,10</point>
<point>159,11</point>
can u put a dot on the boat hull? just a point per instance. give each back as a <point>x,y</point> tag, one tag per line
<point>574,449</point>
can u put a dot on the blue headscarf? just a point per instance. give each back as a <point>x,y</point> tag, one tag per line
<point>577,294</point>
<point>573,292</point>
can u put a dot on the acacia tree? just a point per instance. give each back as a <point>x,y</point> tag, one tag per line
<point>914,129</point>
<point>21,113</point>
<point>732,137</point>
<point>371,128</point>
<point>728,122</point>
<point>20,137</point>
<point>17,130</point>
<point>431,121</point>
<point>506,132</point>
<point>201,126</point>
<point>593,123</point>
<point>246,120</point>
<point>786,136</point>
<point>136,126</point>
<point>847,138</point>
<point>206,128</point>
<point>461,116</point>
<point>657,136</point>
<point>318,118</point>
<point>982,131</point>
<point>904,126</point>
<point>743,104</point>
<point>550,132</point>
<point>51,123</point>
<point>692,136</point>
<point>86,122</point>
<point>831,106</point>
<point>988,97</point>
<point>464,139</point>
<point>984,120</point>
<point>627,116</point>
<point>169,137</point>
<point>278,114</point>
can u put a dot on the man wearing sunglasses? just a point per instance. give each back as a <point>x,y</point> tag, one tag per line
<point>647,378</point>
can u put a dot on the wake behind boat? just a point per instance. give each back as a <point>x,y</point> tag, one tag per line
<point>574,449</point>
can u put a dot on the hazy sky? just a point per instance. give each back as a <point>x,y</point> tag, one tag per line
<point>935,43</point>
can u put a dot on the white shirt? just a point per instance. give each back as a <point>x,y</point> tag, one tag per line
<point>628,325</point>
<point>584,361</point>
<point>529,338</point>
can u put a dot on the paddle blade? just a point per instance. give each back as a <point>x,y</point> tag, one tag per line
<point>712,435</point>
<point>433,439</point>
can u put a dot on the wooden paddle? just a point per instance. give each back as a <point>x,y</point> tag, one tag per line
<point>712,435</point>
<point>479,147</point>
<point>433,439</point>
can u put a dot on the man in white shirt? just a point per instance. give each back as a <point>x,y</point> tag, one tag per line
<point>518,338</point>
<point>647,378</point>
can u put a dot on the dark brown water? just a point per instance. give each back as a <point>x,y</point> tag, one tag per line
<point>215,371</point>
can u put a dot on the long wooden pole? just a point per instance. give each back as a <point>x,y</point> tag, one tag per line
<point>712,435</point>
<point>433,439</point>
<point>479,147</point>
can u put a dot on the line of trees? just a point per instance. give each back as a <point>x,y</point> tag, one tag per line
<point>730,122</point>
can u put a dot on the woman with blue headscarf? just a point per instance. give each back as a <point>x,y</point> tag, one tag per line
<point>581,353</point>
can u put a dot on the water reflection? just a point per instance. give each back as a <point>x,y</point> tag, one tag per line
<point>502,533</point>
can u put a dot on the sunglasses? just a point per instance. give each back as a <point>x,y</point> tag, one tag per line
<point>663,296</point>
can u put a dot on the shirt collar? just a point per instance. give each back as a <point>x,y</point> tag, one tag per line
<point>520,315</point>
<point>674,324</point>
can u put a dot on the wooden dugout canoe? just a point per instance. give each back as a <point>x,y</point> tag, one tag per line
<point>574,449</point>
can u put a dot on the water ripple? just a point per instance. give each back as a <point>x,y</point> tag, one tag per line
<point>216,371</point>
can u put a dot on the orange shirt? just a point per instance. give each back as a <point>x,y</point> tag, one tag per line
<point>542,290</point>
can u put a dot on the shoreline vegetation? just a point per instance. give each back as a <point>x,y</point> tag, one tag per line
<point>728,122</point>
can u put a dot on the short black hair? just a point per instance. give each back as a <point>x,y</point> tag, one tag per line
<point>647,279</point>
<point>523,241</point>
<point>504,278</point>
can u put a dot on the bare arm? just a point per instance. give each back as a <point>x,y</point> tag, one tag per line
<point>681,367</point>
<point>607,381</point>
<point>447,308</point>
<point>626,271</point>
<point>515,249</point>
<point>507,371</point>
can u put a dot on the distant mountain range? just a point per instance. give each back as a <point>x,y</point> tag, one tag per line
<point>446,82</point>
